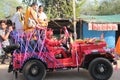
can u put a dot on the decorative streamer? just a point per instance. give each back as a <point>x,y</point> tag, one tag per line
<point>30,47</point>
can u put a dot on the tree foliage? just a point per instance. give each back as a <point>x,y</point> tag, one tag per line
<point>63,8</point>
<point>28,2</point>
<point>59,8</point>
<point>105,7</point>
<point>7,8</point>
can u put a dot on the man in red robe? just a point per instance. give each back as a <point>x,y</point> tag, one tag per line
<point>53,45</point>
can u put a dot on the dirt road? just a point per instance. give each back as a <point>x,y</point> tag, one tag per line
<point>60,75</point>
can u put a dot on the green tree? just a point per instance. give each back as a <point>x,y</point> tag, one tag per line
<point>7,8</point>
<point>105,7</point>
<point>28,2</point>
<point>58,8</point>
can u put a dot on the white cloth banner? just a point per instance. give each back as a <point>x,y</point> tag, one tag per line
<point>102,27</point>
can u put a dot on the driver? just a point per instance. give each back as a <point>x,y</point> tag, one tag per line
<point>53,45</point>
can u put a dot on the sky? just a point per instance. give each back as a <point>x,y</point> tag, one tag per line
<point>20,0</point>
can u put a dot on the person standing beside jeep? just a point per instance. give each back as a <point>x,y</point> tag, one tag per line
<point>4,35</point>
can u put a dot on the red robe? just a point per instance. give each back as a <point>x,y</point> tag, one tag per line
<point>54,47</point>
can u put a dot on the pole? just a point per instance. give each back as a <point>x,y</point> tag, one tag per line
<point>74,19</point>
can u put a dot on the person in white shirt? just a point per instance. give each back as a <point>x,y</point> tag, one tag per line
<point>4,36</point>
<point>42,18</point>
<point>18,19</point>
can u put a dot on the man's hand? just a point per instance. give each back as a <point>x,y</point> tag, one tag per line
<point>10,28</point>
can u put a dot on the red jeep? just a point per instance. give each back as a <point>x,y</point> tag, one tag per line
<point>34,58</point>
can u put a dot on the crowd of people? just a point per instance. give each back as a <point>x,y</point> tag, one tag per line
<point>22,22</point>
<point>25,23</point>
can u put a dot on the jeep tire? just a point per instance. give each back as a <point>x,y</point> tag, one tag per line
<point>34,70</point>
<point>100,69</point>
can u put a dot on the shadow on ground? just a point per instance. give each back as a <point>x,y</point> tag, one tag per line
<point>59,75</point>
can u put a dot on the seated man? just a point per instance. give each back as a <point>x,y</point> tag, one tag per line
<point>53,45</point>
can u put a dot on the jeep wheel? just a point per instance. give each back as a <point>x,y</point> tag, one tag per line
<point>34,70</point>
<point>100,69</point>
